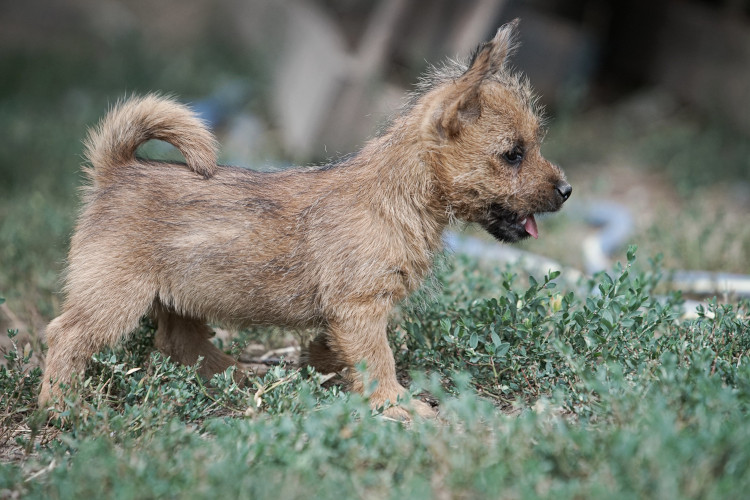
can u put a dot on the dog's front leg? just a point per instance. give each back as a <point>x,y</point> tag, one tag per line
<point>358,334</point>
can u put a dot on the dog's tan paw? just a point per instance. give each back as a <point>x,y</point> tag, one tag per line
<point>407,411</point>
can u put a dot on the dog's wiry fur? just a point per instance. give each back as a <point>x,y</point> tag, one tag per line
<point>333,247</point>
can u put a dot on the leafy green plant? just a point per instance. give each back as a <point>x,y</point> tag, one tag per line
<point>17,383</point>
<point>19,380</point>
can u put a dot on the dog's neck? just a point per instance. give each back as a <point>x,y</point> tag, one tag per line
<point>406,192</point>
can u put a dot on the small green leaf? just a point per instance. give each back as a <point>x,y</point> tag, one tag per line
<point>578,318</point>
<point>623,276</point>
<point>473,340</point>
<point>631,253</point>
<point>502,349</point>
<point>495,339</point>
<point>445,325</point>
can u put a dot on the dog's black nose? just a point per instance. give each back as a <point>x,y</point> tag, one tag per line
<point>564,189</point>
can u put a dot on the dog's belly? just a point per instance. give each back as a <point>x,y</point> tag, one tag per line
<point>242,296</point>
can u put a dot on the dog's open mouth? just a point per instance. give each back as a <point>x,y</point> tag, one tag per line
<point>529,224</point>
<point>508,226</point>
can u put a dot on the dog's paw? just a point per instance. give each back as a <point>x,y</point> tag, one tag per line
<point>406,411</point>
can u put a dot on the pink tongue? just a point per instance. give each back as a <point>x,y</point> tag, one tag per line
<point>530,226</point>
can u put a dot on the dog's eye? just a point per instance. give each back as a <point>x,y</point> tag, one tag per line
<point>514,156</point>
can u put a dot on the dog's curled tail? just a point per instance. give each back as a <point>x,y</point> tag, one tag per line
<point>131,122</point>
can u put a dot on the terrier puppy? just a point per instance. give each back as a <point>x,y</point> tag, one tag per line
<point>334,247</point>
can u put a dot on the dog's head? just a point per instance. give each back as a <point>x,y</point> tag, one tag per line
<point>483,131</point>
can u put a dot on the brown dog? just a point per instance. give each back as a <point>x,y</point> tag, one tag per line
<point>333,247</point>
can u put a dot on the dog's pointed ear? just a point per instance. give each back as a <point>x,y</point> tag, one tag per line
<point>490,57</point>
<point>463,106</point>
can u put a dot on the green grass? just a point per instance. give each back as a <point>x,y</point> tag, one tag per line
<point>543,392</point>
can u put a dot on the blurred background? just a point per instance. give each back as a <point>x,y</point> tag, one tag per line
<point>649,106</point>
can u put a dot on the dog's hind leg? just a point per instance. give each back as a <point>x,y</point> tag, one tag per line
<point>320,356</point>
<point>186,339</point>
<point>86,327</point>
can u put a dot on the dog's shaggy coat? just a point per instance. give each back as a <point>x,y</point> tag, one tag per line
<point>333,247</point>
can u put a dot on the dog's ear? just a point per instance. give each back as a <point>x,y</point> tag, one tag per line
<point>461,109</point>
<point>463,105</point>
<point>490,57</point>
